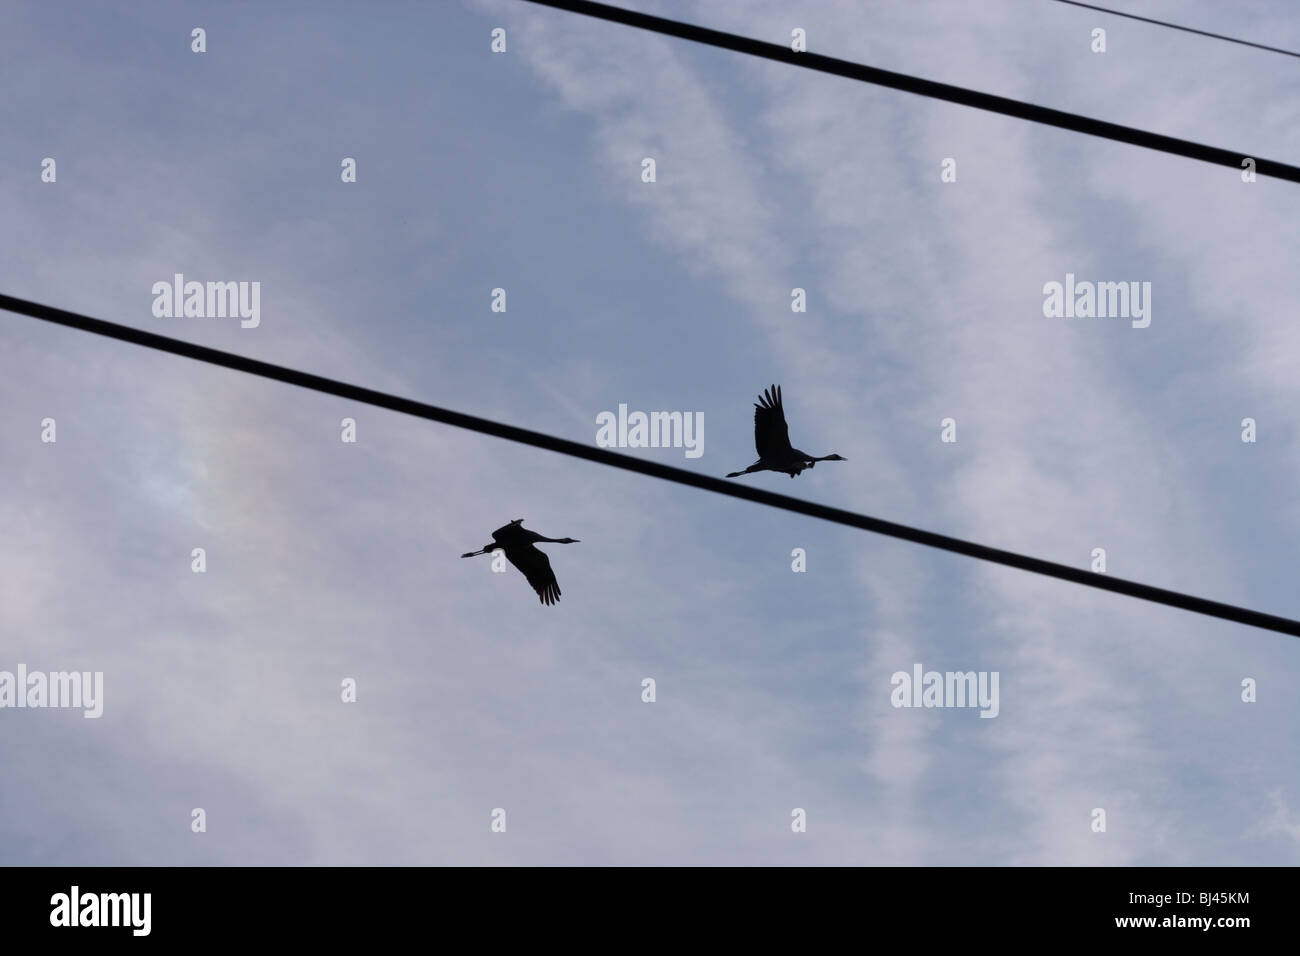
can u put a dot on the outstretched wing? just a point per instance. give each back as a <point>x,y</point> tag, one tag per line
<point>537,569</point>
<point>508,534</point>
<point>771,434</point>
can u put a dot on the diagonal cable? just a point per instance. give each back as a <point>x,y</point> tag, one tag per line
<point>940,91</point>
<point>681,476</point>
<point>1177,26</point>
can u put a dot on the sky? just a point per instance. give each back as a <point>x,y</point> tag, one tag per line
<point>330,561</point>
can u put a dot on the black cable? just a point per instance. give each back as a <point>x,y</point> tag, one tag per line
<point>1176,26</point>
<point>603,456</point>
<point>930,88</point>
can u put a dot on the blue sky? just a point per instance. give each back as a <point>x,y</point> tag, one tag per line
<point>522,171</point>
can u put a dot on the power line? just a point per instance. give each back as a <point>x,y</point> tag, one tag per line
<point>357,393</point>
<point>1175,26</point>
<point>930,88</point>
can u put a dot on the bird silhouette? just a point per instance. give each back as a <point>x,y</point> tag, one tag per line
<point>772,440</point>
<point>517,543</point>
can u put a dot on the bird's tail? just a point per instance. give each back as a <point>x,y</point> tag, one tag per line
<point>471,554</point>
<point>735,474</point>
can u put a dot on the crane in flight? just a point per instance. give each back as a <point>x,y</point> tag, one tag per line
<point>517,543</point>
<point>772,440</point>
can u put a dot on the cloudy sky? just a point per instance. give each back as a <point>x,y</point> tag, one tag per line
<point>522,170</point>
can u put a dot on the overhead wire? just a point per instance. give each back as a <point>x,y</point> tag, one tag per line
<point>960,95</point>
<point>654,469</point>
<point>1178,26</point>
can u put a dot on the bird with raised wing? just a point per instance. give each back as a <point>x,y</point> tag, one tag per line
<point>517,542</point>
<point>772,440</point>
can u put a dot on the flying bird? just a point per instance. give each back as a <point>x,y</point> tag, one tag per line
<point>772,440</point>
<point>517,543</point>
